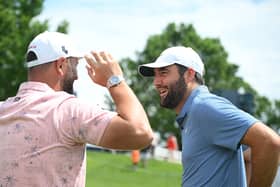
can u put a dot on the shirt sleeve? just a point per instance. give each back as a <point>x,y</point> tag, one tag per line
<point>226,123</point>
<point>83,123</point>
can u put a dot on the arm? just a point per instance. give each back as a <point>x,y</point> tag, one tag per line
<point>130,129</point>
<point>265,148</point>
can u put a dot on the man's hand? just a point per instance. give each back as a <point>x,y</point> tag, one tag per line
<point>102,67</point>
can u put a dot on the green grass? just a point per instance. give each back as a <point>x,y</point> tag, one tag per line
<point>115,170</point>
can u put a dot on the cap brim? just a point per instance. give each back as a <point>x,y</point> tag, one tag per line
<point>147,70</point>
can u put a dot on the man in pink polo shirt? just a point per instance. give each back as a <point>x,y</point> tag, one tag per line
<point>44,128</point>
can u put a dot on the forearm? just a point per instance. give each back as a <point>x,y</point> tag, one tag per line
<point>127,104</point>
<point>135,126</point>
<point>265,149</point>
<point>130,129</point>
<point>264,166</point>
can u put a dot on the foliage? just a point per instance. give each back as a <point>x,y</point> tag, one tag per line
<point>274,115</point>
<point>115,170</point>
<point>219,75</point>
<point>269,111</point>
<point>17,28</point>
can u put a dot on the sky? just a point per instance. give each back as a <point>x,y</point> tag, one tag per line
<point>248,30</point>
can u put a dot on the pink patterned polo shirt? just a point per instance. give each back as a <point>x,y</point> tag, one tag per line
<point>43,134</point>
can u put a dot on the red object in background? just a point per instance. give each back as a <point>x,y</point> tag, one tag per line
<point>172,143</point>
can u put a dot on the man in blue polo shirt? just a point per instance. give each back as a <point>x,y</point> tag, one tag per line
<point>212,128</point>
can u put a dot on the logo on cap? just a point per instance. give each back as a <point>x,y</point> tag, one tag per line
<point>64,50</point>
<point>32,47</point>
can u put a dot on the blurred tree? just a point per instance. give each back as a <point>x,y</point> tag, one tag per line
<point>17,28</point>
<point>220,74</point>
<point>269,111</point>
<point>274,118</point>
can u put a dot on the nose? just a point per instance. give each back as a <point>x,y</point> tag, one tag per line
<point>157,80</point>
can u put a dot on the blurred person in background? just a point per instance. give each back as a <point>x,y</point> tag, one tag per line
<point>144,156</point>
<point>155,142</point>
<point>44,129</point>
<point>135,158</point>
<point>213,130</point>
<point>172,147</point>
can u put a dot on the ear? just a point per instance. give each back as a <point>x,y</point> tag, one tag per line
<point>189,75</point>
<point>60,66</point>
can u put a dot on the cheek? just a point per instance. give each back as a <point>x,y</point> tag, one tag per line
<point>158,80</point>
<point>154,82</point>
<point>73,70</point>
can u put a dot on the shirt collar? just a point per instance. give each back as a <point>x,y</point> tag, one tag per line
<point>187,106</point>
<point>34,86</point>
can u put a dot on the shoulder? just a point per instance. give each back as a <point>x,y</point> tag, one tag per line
<point>71,105</point>
<point>211,106</point>
<point>208,102</point>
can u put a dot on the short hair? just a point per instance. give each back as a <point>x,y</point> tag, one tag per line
<point>198,78</point>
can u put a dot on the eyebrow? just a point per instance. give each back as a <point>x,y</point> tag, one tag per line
<point>164,68</point>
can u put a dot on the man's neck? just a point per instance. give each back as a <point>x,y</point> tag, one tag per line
<point>188,92</point>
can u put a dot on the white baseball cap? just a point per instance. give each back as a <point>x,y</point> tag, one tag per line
<point>185,56</point>
<point>50,46</point>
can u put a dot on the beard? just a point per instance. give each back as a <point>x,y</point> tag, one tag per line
<point>175,94</point>
<point>68,86</point>
<point>70,77</point>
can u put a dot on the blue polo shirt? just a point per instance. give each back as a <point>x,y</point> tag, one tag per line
<point>212,128</point>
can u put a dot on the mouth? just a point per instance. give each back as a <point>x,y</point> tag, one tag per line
<point>162,92</point>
